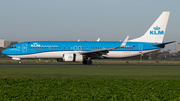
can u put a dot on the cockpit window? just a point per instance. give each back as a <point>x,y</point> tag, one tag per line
<point>12,46</point>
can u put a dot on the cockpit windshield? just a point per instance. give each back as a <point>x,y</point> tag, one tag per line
<point>12,47</point>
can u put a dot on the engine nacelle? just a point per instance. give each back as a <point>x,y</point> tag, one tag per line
<point>79,58</point>
<point>72,57</point>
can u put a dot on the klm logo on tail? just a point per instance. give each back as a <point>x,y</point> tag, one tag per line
<point>156,31</point>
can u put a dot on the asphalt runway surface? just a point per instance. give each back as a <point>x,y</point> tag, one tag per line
<point>94,65</point>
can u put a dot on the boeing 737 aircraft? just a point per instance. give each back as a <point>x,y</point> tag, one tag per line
<point>84,51</point>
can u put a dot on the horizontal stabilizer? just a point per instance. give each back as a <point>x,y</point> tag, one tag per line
<point>164,43</point>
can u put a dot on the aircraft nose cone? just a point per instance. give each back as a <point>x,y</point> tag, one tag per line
<point>4,52</point>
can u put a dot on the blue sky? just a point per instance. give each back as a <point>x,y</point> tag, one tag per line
<point>60,20</point>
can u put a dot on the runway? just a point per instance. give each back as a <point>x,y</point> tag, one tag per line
<point>95,65</point>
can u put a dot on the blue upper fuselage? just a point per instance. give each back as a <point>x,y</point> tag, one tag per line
<point>33,47</point>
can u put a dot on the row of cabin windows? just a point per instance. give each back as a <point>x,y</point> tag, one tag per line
<point>99,47</point>
<point>79,48</point>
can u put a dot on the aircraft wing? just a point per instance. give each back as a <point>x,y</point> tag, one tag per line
<point>97,53</point>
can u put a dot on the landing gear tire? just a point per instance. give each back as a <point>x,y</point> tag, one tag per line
<point>19,62</point>
<point>84,62</point>
<point>89,62</point>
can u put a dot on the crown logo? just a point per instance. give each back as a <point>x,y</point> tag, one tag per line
<point>156,28</point>
<point>70,57</point>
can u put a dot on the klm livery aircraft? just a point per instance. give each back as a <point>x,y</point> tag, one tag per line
<point>84,51</point>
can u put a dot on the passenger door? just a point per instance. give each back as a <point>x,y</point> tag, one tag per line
<point>140,48</point>
<point>24,47</point>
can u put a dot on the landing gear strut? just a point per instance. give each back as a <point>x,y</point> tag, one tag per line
<point>87,61</point>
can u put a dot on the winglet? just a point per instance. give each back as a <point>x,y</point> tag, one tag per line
<point>98,39</point>
<point>124,42</point>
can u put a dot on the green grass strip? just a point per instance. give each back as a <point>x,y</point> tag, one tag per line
<point>89,89</point>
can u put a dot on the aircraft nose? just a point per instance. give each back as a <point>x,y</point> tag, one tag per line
<point>5,52</point>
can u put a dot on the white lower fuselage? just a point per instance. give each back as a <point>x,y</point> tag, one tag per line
<point>59,54</point>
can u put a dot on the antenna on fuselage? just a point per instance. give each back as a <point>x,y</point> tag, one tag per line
<point>78,40</point>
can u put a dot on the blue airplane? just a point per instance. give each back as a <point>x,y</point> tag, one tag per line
<point>84,51</point>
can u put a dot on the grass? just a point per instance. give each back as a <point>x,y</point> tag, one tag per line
<point>85,72</point>
<point>89,90</point>
<point>97,83</point>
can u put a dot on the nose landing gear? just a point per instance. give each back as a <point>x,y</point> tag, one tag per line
<point>19,62</point>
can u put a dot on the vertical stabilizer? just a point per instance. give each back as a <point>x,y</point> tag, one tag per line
<point>156,32</point>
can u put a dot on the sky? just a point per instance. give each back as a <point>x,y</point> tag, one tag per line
<point>87,20</point>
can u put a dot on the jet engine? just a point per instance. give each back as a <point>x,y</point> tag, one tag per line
<point>71,57</point>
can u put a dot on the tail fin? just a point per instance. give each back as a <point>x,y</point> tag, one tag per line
<point>156,32</point>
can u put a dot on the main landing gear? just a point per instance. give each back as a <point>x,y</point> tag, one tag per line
<point>87,61</point>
